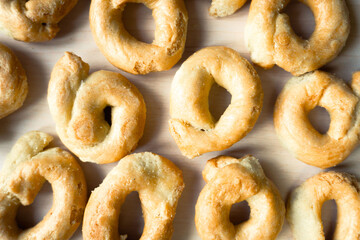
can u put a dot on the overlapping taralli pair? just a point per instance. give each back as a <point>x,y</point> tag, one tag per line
<point>230,180</point>
<point>25,170</point>
<point>271,40</point>
<point>33,20</point>
<point>13,82</point>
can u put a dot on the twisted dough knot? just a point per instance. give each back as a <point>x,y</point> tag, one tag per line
<point>127,53</point>
<point>271,40</point>
<point>305,202</point>
<point>25,170</point>
<point>302,94</point>
<point>230,180</point>
<point>13,82</point>
<point>34,20</point>
<point>159,184</point>
<point>191,124</point>
<point>77,102</point>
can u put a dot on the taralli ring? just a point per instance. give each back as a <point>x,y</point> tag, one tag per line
<point>229,181</point>
<point>159,184</point>
<point>13,82</point>
<point>271,40</point>
<point>305,202</point>
<point>126,52</point>
<point>33,20</point>
<point>191,124</point>
<point>25,170</point>
<point>302,94</point>
<point>77,102</point>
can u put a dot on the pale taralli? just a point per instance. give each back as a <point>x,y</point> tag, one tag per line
<point>230,180</point>
<point>302,94</point>
<point>305,202</point>
<point>77,101</point>
<point>25,170</point>
<point>191,124</point>
<point>133,56</point>
<point>159,184</point>
<point>271,40</point>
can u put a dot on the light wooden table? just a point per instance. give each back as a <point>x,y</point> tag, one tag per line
<point>284,170</point>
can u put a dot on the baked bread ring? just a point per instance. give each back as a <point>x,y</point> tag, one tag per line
<point>230,180</point>
<point>13,82</point>
<point>271,40</point>
<point>159,184</point>
<point>191,124</point>
<point>33,20</point>
<point>25,170</point>
<point>77,102</point>
<point>126,52</point>
<point>302,94</point>
<point>223,8</point>
<point>305,202</point>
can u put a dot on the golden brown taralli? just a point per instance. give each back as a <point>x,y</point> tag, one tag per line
<point>191,124</point>
<point>229,181</point>
<point>159,184</point>
<point>126,52</point>
<point>302,94</point>
<point>77,101</point>
<point>25,170</point>
<point>305,202</point>
<point>33,20</point>
<point>271,40</point>
<point>13,82</point>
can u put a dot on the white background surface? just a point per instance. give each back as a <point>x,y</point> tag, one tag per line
<point>284,170</point>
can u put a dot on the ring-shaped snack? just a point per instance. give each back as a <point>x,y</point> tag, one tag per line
<point>13,82</point>
<point>302,94</point>
<point>191,124</point>
<point>159,184</point>
<point>229,181</point>
<point>271,40</point>
<point>77,102</point>
<point>33,20</point>
<point>127,53</point>
<point>25,170</point>
<point>305,202</point>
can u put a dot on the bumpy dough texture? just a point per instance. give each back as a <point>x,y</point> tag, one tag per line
<point>302,94</point>
<point>305,202</point>
<point>13,82</point>
<point>229,181</point>
<point>223,8</point>
<point>25,170</point>
<point>126,52</point>
<point>77,102</point>
<point>33,20</point>
<point>191,124</point>
<point>159,184</point>
<point>271,40</point>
